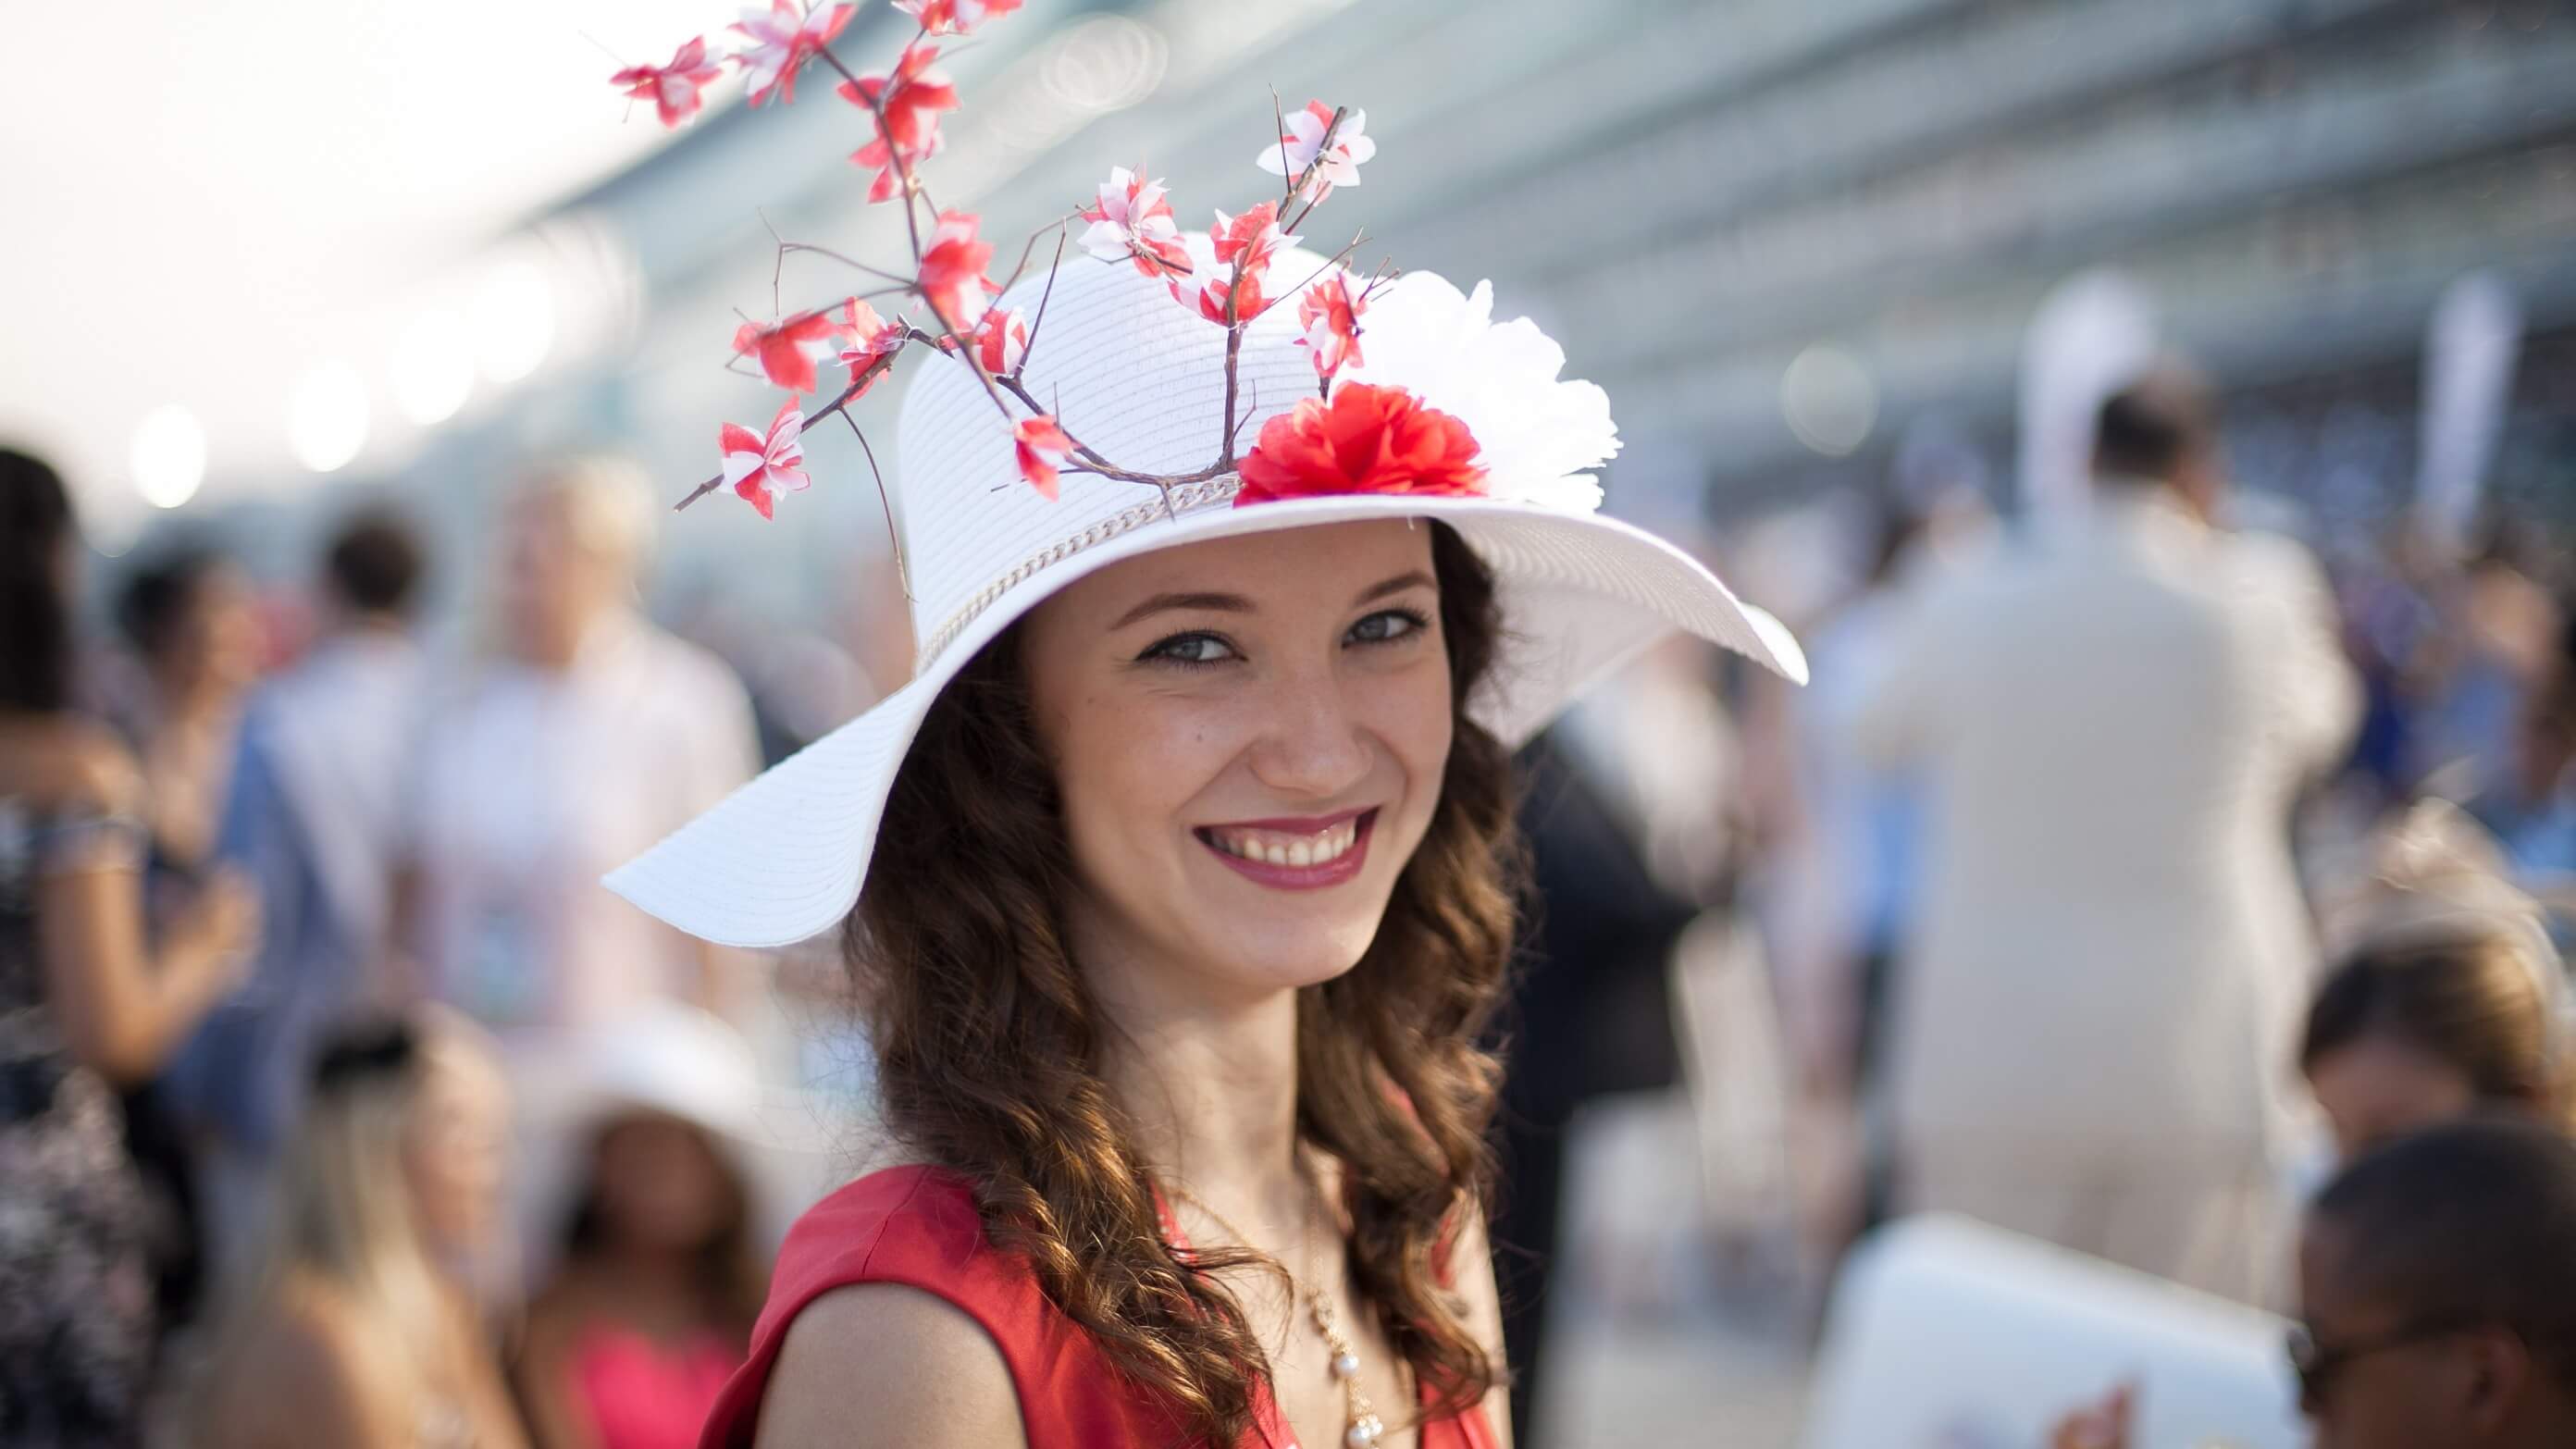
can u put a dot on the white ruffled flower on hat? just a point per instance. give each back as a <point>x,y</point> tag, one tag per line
<point>1540,435</point>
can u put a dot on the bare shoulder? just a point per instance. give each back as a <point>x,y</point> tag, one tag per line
<point>304,1352</point>
<point>73,764</point>
<point>881,1364</point>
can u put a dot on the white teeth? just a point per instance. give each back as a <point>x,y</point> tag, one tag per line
<point>1295,853</point>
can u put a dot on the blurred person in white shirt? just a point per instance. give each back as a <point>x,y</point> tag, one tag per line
<point>2101,984</point>
<point>592,736</point>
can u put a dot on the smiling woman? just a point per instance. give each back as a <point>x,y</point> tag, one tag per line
<point>1178,882</point>
<point>1088,771</point>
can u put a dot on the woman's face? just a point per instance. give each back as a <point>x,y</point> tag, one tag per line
<point>660,1182</point>
<point>1248,735</point>
<point>457,1148</point>
<point>2379,1087</point>
<point>219,638</point>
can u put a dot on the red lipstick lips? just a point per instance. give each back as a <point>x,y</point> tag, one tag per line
<point>1266,851</point>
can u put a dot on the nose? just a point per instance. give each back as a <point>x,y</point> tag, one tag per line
<point>1311,743</point>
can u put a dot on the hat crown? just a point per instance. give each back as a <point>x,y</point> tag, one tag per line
<point>1130,373</point>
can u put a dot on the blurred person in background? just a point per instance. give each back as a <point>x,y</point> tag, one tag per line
<point>593,736</point>
<point>2496,646</point>
<point>1590,1014</point>
<point>651,1308</point>
<point>2437,1282</point>
<point>2531,803</point>
<point>90,1000</point>
<point>2406,1035</point>
<point>2449,995</point>
<point>358,1330</point>
<point>2113,721</point>
<point>2437,1289</point>
<point>193,623</point>
<point>314,815</point>
<point>1852,880</point>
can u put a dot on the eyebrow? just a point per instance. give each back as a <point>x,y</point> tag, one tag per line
<point>1238,604</point>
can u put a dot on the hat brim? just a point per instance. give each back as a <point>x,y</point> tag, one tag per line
<point>783,858</point>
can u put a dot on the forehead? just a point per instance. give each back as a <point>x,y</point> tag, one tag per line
<point>1325,565</point>
<point>2336,1295</point>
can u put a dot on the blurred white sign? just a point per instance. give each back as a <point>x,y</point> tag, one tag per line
<point>1949,1334</point>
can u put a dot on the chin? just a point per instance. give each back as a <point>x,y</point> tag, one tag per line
<point>1307,954</point>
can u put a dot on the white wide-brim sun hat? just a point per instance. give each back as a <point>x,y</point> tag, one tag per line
<point>1140,379</point>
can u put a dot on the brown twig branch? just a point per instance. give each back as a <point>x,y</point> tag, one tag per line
<point>859,380</point>
<point>1057,226</point>
<point>1044,297</point>
<point>894,545</point>
<point>1323,150</point>
<point>784,247</point>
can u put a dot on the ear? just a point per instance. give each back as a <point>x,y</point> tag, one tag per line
<point>2495,1377</point>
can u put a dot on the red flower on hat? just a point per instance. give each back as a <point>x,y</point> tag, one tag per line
<point>1043,447</point>
<point>954,17</point>
<point>912,98</point>
<point>1365,440</point>
<point>673,89</point>
<point>781,41</point>
<point>1330,313</point>
<point>952,270</point>
<point>788,349</point>
<point>760,468</point>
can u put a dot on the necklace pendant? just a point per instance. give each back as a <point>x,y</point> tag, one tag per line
<point>1346,1365</point>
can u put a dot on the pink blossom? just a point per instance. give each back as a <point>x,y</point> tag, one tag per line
<point>673,89</point>
<point>1216,286</point>
<point>788,350</point>
<point>1303,139</point>
<point>1002,341</point>
<point>1133,221</point>
<point>781,39</point>
<point>1043,447</point>
<point>866,338</point>
<point>952,270</point>
<point>1243,247</point>
<point>1248,241</point>
<point>954,17</point>
<point>1330,313</point>
<point>760,468</point>
<point>866,335</point>
<point>911,98</point>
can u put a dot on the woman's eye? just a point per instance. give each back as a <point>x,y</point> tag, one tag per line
<point>1191,649</point>
<point>1387,626</point>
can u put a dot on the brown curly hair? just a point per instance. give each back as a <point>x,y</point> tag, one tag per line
<point>989,1044</point>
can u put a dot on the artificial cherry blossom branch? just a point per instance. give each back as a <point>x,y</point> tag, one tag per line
<point>860,378</point>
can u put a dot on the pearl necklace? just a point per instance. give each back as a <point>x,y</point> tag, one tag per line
<point>1362,1427</point>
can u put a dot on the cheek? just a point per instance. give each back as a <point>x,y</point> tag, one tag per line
<point>1411,714</point>
<point>1127,767</point>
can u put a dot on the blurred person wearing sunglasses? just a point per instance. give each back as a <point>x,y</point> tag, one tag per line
<point>2438,1278</point>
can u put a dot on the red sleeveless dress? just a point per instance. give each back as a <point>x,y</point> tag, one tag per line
<point>917,1226</point>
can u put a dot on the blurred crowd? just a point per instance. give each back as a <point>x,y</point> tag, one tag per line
<point>2130,879</point>
<point>342,1106</point>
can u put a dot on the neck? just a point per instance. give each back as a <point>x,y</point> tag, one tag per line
<point>1211,1088</point>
